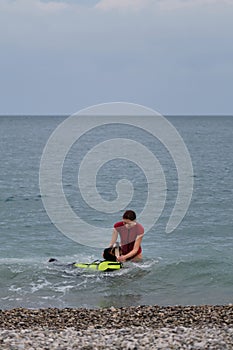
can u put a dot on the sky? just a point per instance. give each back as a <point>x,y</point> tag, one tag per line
<point>174,56</point>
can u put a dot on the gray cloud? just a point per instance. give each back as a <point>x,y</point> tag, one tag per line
<point>59,56</point>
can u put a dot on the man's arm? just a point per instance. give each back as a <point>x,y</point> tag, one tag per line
<point>114,237</point>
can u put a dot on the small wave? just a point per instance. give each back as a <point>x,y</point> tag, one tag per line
<point>146,264</point>
<point>9,199</point>
<point>22,261</point>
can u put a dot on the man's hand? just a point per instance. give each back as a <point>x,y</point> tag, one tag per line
<point>121,258</point>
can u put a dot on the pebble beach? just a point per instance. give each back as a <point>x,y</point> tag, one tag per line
<point>135,328</point>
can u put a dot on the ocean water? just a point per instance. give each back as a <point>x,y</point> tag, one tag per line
<point>190,266</point>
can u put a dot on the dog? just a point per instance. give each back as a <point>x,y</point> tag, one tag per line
<point>112,253</point>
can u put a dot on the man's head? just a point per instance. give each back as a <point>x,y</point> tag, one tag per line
<point>129,215</point>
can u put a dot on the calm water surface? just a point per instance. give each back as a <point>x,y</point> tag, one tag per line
<point>192,265</point>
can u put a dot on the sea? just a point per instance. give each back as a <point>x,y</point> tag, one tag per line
<point>192,265</point>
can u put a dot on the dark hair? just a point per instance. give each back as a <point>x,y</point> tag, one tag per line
<point>130,215</point>
<point>109,254</point>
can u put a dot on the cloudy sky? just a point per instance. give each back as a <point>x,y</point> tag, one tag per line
<point>175,56</point>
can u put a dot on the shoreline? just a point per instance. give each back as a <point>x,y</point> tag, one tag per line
<point>133,328</point>
<point>148,316</point>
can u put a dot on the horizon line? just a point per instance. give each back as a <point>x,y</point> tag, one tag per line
<point>68,114</point>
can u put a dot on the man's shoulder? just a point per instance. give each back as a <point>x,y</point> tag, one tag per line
<point>118,224</point>
<point>140,228</point>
